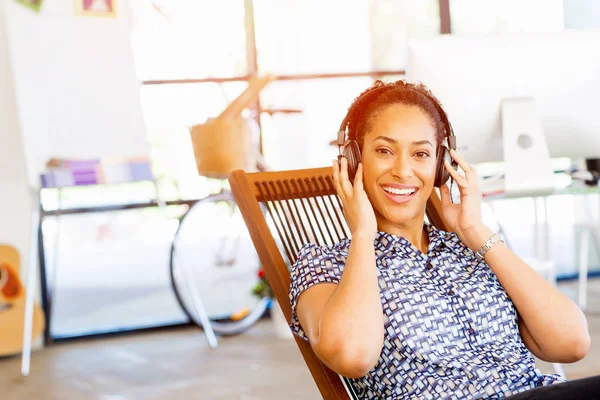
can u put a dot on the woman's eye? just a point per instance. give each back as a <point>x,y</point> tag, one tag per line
<point>422,154</point>
<point>384,151</point>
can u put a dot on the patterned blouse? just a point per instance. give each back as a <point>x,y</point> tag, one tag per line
<point>450,328</point>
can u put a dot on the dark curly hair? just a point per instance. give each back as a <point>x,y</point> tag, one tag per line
<point>364,110</point>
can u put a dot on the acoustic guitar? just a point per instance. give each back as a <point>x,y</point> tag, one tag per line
<point>12,305</point>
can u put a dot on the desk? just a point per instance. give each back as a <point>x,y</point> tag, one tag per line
<point>56,209</point>
<point>542,261</point>
<point>39,212</point>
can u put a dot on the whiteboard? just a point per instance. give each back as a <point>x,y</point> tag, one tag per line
<point>76,88</point>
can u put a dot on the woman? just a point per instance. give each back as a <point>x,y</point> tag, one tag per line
<point>409,311</point>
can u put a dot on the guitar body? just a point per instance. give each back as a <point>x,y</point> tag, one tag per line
<point>12,305</point>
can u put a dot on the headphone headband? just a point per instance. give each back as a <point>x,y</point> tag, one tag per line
<point>449,131</point>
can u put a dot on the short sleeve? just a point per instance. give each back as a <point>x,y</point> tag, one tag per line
<point>316,264</point>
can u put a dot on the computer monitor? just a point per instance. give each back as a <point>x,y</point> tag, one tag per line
<point>520,98</point>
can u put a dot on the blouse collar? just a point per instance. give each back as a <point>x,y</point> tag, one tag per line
<point>386,242</point>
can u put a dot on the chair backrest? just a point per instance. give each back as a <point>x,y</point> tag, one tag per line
<point>300,206</point>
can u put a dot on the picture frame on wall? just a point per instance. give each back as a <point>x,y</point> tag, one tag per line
<point>96,8</point>
<point>35,5</point>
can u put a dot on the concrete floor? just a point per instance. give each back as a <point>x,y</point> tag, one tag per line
<point>178,364</point>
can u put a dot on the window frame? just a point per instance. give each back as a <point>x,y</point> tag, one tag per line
<point>252,62</point>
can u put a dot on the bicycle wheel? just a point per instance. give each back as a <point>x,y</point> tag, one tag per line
<point>212,255</point>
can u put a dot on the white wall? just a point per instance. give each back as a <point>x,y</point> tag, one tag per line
<point>15,200</point>
<point>76,88</point>
<point>68,88</point>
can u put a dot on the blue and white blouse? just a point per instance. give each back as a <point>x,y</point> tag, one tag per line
<point>450,328</point>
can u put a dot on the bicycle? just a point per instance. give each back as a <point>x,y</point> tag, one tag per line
<point>219,264</point>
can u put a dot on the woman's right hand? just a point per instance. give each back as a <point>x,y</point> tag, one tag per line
<point>357,207</point>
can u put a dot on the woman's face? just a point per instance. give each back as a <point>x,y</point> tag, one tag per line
<point>399,160</point>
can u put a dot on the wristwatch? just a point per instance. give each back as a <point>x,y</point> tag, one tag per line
<point>488,245</point>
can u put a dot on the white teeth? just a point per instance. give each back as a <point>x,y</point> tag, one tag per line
<point>402,192</point>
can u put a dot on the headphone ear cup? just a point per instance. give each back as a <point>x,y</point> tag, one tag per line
<point>441,174</point>
<point>352,154</point>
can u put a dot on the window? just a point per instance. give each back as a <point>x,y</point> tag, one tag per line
<point>339,36</point>
<point>490,16</point>
<point>392,23</point>
<point>317,37</point>
<point>581,14</point>
<point>344,37</point>
<point>179,39</point>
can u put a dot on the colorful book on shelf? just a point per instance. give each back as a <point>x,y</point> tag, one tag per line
<point>65,172</point>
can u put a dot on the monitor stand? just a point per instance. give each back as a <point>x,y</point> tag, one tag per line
<point>593,166</point>
<point>528,168</point>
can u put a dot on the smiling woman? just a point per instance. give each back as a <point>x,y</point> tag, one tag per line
<point>410,311</point>
<point>411,138</point>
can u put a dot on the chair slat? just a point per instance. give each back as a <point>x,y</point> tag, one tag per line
<point>269,203</point>
<point>299,223</point>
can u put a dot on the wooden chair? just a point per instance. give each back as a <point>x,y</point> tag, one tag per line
<point>300,206</point>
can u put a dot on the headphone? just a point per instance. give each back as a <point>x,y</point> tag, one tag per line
<point>351,150</point>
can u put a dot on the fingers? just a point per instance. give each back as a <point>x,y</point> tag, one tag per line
<point>445,195</point>
<point>460,180</point>
<point>336,178</point>
<point>358,178</point>
<point>469,170</point>
<point>340,177</point>
<point>345,183</point>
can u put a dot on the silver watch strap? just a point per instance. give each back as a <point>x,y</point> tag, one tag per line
<point>488,245</point>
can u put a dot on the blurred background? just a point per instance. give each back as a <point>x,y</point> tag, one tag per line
<point>102,197</point>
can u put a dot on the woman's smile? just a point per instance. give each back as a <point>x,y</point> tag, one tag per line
<point>399,194</point>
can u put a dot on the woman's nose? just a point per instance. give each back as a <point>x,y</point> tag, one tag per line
<point>403,168</point>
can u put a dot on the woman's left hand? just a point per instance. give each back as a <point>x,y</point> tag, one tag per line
<point>464,218</point>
